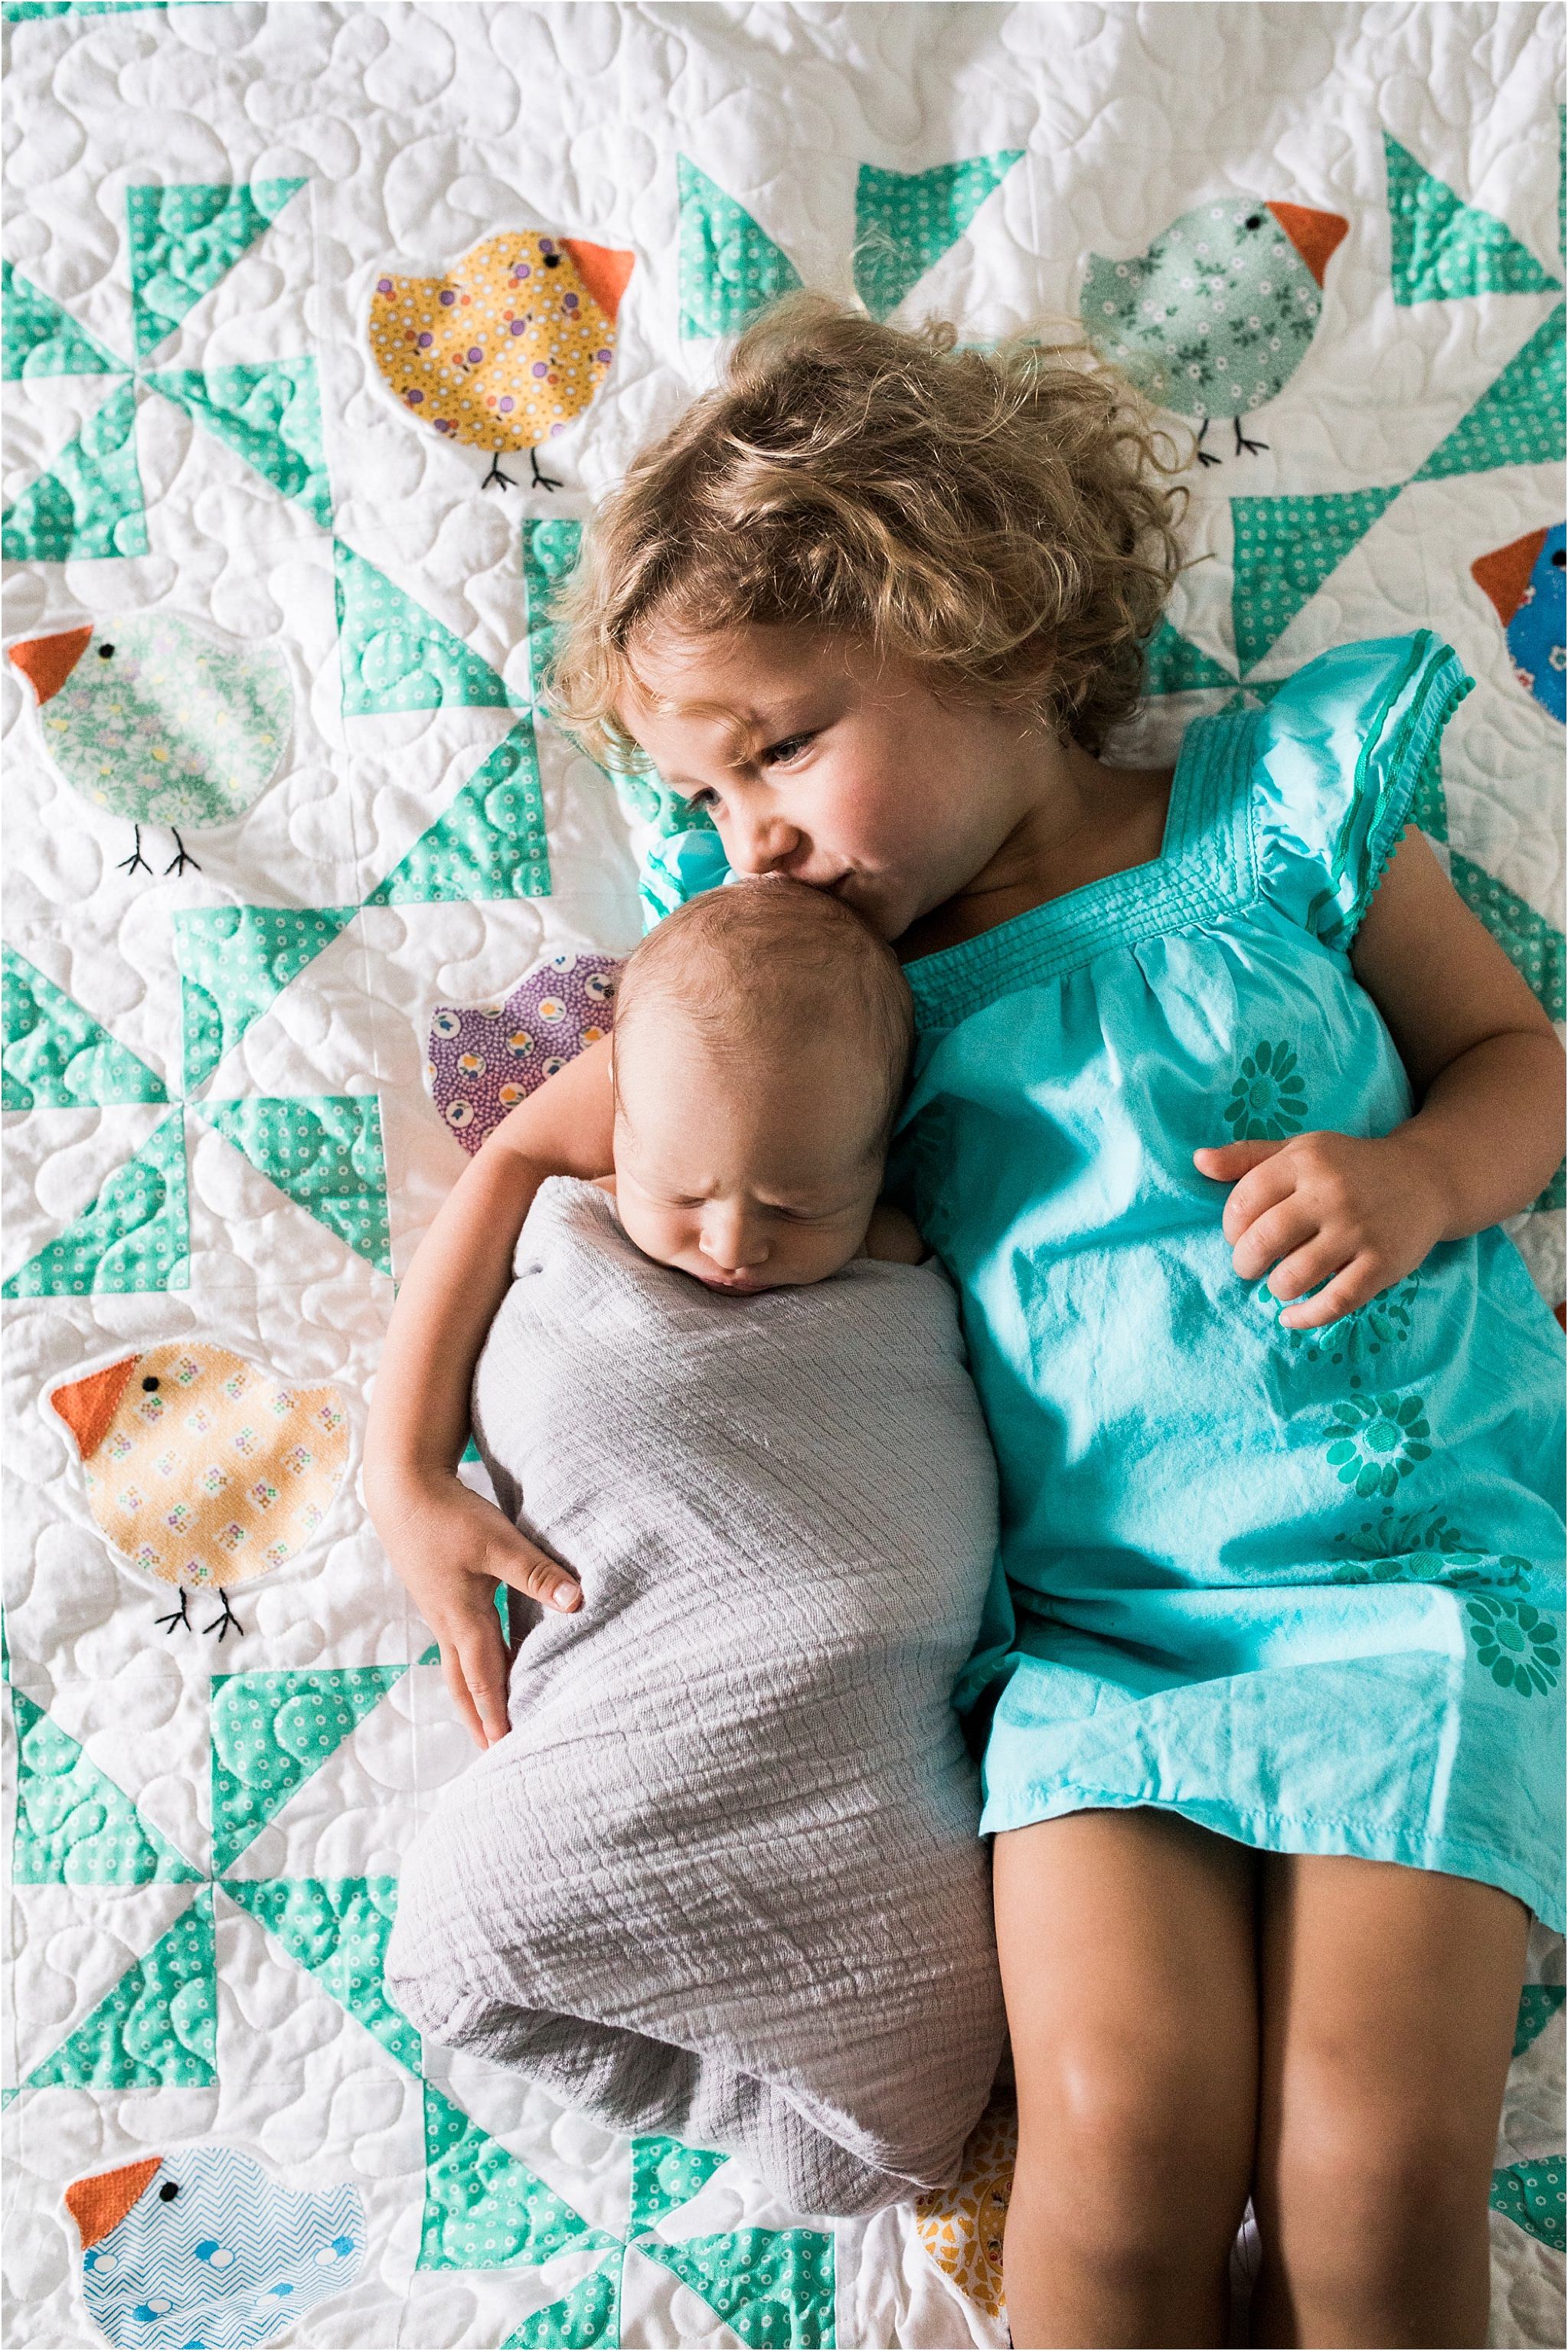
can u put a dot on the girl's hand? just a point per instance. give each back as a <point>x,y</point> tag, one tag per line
<point>1329,1213</point>
<point>452,1548</point>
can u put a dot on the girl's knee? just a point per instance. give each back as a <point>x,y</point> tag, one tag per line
<point>1129,2154</point>
<point>1378,2192</point>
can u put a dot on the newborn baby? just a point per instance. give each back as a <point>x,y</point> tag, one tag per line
<point>723,1880</point>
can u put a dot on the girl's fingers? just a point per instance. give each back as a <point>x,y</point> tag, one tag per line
<point>1272,1236</point>
<point>1349,1289</point>
<point>484,1666</point>
<point>458,1685</point>
<point>1306,1269</point>
<point>1262,1188</point>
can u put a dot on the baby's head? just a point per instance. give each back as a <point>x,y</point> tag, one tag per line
<point>762,1037</point>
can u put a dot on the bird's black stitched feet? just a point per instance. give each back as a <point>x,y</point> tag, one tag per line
<point>542,481</point>
<point>495,474</point>
<point>1241,440</point>
<point>220,1625</point>
<point>129,864</point>
<point>181,1615</point>
<point>1205,456</point>
<point>181,857</point>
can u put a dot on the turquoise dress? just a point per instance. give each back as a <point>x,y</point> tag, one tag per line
<point>1305,1589</point>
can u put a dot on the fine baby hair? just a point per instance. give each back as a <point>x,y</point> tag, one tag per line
<point>767,968</point>
<point>1005,519</point>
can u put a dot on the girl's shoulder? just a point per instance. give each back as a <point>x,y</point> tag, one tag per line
<point>1340,759</point>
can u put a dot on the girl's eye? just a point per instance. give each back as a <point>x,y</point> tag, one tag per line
<point>706,798</point>
<point>791,748</point>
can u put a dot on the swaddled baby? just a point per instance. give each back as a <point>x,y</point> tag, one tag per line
<point>723,1879</point>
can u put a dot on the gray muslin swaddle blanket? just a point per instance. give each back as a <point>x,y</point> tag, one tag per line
<point>723,1880</point>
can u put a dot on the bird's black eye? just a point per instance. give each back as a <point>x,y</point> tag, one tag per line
<point>149,1386</point>
<point>167,2193</point>
<point>1253,220</point>
<point>106,652</point>
<point>1558,558</point>
<point>552,261</point>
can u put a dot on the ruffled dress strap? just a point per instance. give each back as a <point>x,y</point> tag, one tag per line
<point>1341,753</point>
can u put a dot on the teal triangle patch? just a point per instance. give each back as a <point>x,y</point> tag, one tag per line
<point>324,1153</point>
<point>729,268</point>
<point>551,550</point>
<point>337,1929</point>
<point>55,1055</point>
<point>1534,945</point>
<point>184,239</point>
<point>135,1235</point>
<point>1443,248</point>
<point>1556,1192</point>
<point>89,504</point>
<point>1532,2195</point>
<point>589,2315</point>
<point>1174,664</point>
<point>270,415</point>
<point>483,2209</point>
<point>906,221</point>
<point>271,1732</point>
<point>38,338</point>
<point>770,2286</point>
<point>157,2030</point>
<point>491,841</point>
<point>1537,2004</point>
<point>1518,420</point>
<point>74,1826</point>
<point>664,2173</point>
<point>397,656</point>
<point>234,961</point>
<point>1284,549</point>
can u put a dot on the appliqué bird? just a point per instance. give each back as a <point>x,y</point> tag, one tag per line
<point>161,721</point>
<point>201,1470</point>
<point>508,347</point>
<point>484,1058</point>
<point>1525,581</point>
<point>1215,319</point>
<point>202,2247</point>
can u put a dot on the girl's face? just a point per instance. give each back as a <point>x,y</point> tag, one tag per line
<point>817,760</point>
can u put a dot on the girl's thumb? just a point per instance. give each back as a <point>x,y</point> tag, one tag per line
<point>532,1571</point>
<point>1227,1162</point>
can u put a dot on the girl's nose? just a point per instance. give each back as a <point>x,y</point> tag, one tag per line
<point>731,1241</point>
<point>760,843</point>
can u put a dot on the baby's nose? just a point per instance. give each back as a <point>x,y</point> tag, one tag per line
<point>732,1242</point>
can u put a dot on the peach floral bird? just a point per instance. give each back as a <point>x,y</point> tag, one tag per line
<point>507,349</point>
<point>201,1468</point>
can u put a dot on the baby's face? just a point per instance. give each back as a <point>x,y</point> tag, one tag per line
<point>747,1175</point>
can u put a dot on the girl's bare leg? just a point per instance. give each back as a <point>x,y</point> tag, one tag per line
<point>1129,1962</point>
<point>1389,1996</point>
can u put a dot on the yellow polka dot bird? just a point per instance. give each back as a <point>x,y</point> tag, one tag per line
<point>507,349</point>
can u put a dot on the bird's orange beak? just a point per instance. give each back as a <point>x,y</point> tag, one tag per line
<point>86,1407</point>
<point>602,270</point>
<point>1505,573</point>
<point>47,661</point>
<point>99,2204</point>
<point>1314,235</point>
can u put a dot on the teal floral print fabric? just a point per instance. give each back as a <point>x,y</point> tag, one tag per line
<point>1303,1587</point>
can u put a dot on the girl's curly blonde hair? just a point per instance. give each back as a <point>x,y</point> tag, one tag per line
<point>1005,519</point>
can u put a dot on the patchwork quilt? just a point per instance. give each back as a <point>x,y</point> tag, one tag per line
<point>324,325</point>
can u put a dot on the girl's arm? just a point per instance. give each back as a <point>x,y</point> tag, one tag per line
<point>449,1545</point>
<point>1344,1217</point>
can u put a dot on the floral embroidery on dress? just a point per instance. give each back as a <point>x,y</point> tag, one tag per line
<point>1520,1648</point>
<point>1268,1101</point>
<point>1357,1340</point>
<point>1374,1441</point>
<point>1423,1547</point>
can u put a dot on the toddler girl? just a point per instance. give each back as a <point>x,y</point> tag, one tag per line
<point>1219,1094</point>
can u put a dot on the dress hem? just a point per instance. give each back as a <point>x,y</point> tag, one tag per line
<point>1267,1831</point>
